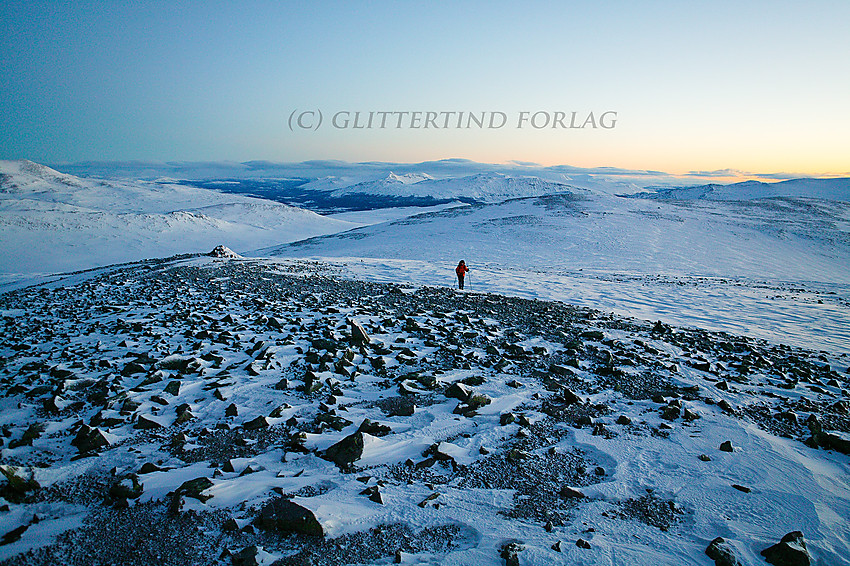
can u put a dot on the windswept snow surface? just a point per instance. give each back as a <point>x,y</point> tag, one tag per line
<point>773,268</point>
<point>51,222</point>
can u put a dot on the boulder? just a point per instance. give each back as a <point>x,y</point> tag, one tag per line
<point>89,439</point>
<point>256,424</point>
<point>284,517</point>
<point>459,391</point>
<point>145,423</point>
<point>346,451</point>
<point>790,551</point>
<point>359,337</point>
<point>722,553</point>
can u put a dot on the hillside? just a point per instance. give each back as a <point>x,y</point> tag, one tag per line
<point>230,412</point>
<point>52,222</point>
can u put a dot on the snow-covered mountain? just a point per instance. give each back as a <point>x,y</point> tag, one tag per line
<point>826,189</point>
<point>482,187</point>
<point>50,221</point>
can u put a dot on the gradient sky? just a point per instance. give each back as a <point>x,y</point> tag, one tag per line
<point>755,86</point>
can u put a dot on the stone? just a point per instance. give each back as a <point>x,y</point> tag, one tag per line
<point>231,410</point>
<point>568,492</point>
<point>670,412</point>
<point>194,488</point>
<point>507,418</point>
<point>624,420</point>
<point>172,388</point>
<point>16,488</point>
<point>727,446</point>
<point>509,552</point>
<point>256,424</point>
<point>459,391</point>
<point>145,423</point>
<point>89,439</point>
<point>13,535</point>
<point>346,451</point>
<point>705,457</point>
<point>722,553</point>
<point>790,551</point>
<point>359,337</point>
<point>569,397</point>
<point>284,517</point>
<point>581,543</point>
<point>374,494</point>
<point>375,429</point>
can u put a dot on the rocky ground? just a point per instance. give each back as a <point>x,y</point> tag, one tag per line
<point>227,411</point>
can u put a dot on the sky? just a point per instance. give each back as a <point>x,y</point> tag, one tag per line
<point>683,86</point>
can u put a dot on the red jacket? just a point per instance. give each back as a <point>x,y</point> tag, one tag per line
<point>461,269</point>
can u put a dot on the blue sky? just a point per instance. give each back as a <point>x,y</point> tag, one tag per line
<point>754,86</point>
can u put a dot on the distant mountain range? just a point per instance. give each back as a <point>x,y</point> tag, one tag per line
<point>51,221</point>
<point>826,189</point>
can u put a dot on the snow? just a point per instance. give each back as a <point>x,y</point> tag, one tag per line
<point>775,269</point>
<point>767,262</point>
<point>52,222</point>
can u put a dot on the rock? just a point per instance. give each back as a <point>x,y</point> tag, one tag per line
<point>741,488</point>
<point>253,556</point>
<point>346,451</point>
<point>359,337</point>
<point>374,494</point>
<point>722,553</point>
<point>127,487</point>
<point>231,410</point>
<point>375,429</point>
<point>193,488</point>
<point>670,412</point>
<point>13,535</point>
<point>557,546</point>
<point>173,388</point>
<point>16,488</point>
<point>568,492</point>
<point>223,252</point>
<point>133,368</point>
<point>507,418</point>
<point>790,551</point>
<point>399,406</point>
<point>282,385</point>
<point>705,457</point>
<point>569,397</point>
<point>459,391</point>
<point>145,423</point>
<point>581,543</point>
<point>689,415</point>
<point>509,553</point>
<point>149,467</point>
<point>284,517</point>
<point>89,439</point>
<point>477,401</point>
<point>727,446</point>
<point>624,420</point>
<point>256,424</point>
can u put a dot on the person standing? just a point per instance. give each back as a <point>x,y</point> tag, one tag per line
<point>461,271</point>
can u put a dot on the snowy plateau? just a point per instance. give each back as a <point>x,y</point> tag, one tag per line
<point>636,373</point>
